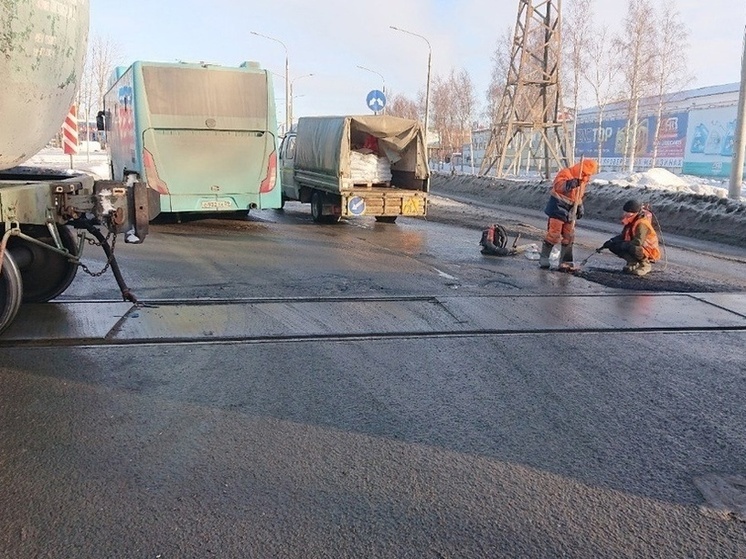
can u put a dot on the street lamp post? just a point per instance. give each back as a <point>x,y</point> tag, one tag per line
<point>288,122</point>
<point>285,117</point>
<point>427,87</point>
<point>383,81</point>
<point>739,153</point>
<point>291,94</point>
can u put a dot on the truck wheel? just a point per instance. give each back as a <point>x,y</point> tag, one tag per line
<point>45,274</point>
<point>317,209</point>
<point>386,218</point>
<point>334,218</point>
<point>317,206</point>
<point>11,291</point>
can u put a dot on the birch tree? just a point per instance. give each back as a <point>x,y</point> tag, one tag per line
<point>601,74</point>
<point>670,63</point>
<point>577,29</point>
<point>636,52</point>
<point>105,56</point>
<point>102,57</point>
<point>442,111</point>
<point>465,108</point>
<point>499,76</point>
<point>86,95</point>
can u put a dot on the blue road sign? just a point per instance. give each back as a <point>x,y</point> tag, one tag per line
<point>356,205</point>
<point>376,100</point>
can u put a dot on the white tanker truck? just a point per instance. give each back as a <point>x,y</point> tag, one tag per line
<point>45,217</point>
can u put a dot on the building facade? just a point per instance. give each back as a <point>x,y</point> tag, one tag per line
<point>696,136</point>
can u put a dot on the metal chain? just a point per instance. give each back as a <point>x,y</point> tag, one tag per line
<point>93,242</point>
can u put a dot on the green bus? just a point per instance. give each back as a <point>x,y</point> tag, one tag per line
<point>203,137</point>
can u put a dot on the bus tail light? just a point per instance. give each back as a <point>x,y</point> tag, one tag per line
<point>151,173</point>
<point>269,181</point>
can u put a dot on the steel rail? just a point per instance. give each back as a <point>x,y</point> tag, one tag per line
<point>344,338</point>
<point>111,341</point>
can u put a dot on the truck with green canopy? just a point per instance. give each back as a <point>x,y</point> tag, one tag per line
<point>348,166</point>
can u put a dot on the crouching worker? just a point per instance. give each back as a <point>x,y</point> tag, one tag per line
<point>638,242</point>
<point>564,207</point>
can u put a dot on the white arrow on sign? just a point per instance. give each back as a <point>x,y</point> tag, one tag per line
<point>376,103</point>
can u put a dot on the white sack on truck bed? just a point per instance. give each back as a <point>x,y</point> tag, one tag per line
<point>369,168</point>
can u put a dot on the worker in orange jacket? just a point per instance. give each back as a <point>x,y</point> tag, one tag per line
<point>638,241</point>
<point>564,207</point>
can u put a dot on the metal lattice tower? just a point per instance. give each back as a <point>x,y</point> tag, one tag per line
<point>530,133</point>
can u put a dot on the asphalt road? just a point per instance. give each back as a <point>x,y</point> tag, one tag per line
<point>515,413</point>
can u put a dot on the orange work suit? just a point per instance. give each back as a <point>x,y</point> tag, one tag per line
<point>640,232</point>
<point>565,203</point>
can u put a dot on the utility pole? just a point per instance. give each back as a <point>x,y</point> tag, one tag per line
<point>427,86</point>
<point>292,97</point>
<point>739,154</point>
<point>530,130</point>
<point>288,121</point>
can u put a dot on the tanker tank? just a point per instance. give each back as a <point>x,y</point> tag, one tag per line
<point>47,216</point>
<point>42,50</point>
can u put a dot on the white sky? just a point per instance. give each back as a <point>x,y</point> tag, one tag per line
<point>330,38</point>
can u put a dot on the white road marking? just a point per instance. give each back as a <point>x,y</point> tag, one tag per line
<point>444,275</point>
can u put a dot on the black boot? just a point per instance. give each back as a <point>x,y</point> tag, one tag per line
<point>566,258</point>
<point>546,250</point>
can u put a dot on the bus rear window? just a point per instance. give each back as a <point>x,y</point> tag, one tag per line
<point>204,91</point>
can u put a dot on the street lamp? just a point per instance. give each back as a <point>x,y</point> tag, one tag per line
<point>285,116</point>
<point>427,88</point>
<point>287,86</point>
<point>291,94</point>
<point>383,90</point>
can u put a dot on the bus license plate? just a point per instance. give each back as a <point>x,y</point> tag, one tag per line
<point>216,204</point>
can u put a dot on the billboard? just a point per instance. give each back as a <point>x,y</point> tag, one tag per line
<point>710,142</point>
<point>612,138</point>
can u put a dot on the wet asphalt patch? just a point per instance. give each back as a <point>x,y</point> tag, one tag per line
<point>657,280</point>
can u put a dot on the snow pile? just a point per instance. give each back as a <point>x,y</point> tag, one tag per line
<point>367,167</point>
<point>662,179</point>
<point>93,163</point>
<point>97,171</point>
<point>652,179</point>
<point>86,147</point>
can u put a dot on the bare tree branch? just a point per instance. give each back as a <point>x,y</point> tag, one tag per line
<point>577,29</point>
<point>636,46</point>
<point>403,107</point>
<point>602,74</point>
<point>670,62</point>
<point>499,78</point>
<point>102,57</point>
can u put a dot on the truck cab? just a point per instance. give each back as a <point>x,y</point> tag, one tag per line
<point>290,189</point>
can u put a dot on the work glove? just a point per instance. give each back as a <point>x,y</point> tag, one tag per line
<point>612,243</point>
<point>580,212</point>
<point>571,184</point>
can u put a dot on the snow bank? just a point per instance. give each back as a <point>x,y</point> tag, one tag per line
<point>663,179</point>
<point>95,163</point>
<point>688,206</point>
